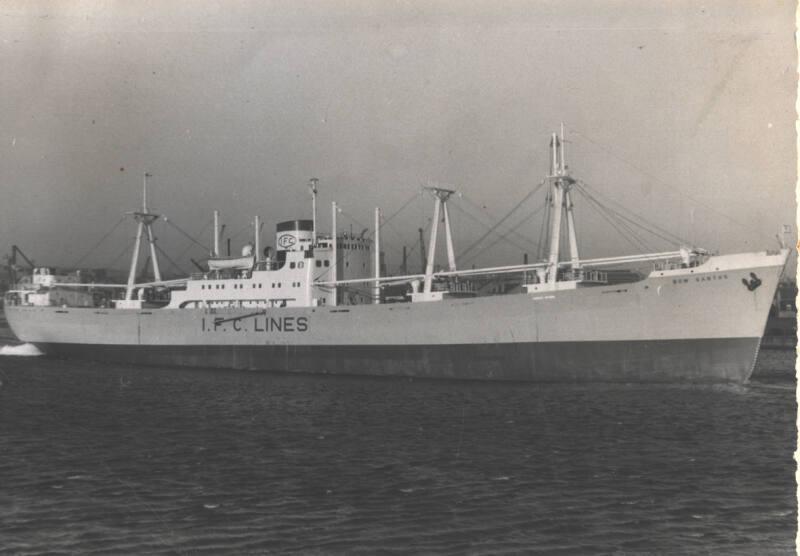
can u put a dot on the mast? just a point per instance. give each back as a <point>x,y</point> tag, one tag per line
<point>432,246</point>
<point>134,262</point>
<point>334,246</point>
<point>145,220</point>
<point>558,203</point>
<point>257,236</point>
<point>150,236</point>
<point>561,183</point>
<point>440,205</point>
<point>451,256</point>
<point>216,233</point>
<point>573,239</point>
<point>312,185</point>
<point>309,282</point>
<point>376,297</point>
<point>421,250</point>
<point>569,205</point>
<point>154,258</point>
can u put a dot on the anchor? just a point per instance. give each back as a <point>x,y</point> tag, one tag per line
<point>753,283</point>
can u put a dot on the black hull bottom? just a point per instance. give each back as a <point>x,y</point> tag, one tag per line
<point>705,360</point>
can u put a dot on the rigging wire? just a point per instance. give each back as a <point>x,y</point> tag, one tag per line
<point>356,221</point>
<point>102,239</point>
<point>475,219</point>
<point>635,220</point>
<point>128,247</point>
<point>186,234</point>
<point>620,226</point>
<point>501,221</point>
<point>242,230</point>
<point>193,243</point>
<point>483,211</point>
<point>625,228</point>
<point>642,223</point>
<point>504,236</point>
<point>644,245</point>
<point>519,237</point>
<point>541,244</point>
<point>403,207</point>
<point>634,242</point>
<point>614,226</point>
<point>669,187</point>
<point>386,222</point>
<point>416,244</point>
<point>172,263</point>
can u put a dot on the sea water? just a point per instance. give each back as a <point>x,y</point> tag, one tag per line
<point>107,459</point>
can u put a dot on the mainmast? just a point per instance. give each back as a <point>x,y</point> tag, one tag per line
<point>440,205</point>
<point>561,185</point>
<point>145,218</point>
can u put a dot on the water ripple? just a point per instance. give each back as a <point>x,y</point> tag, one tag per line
<point>99,460</point>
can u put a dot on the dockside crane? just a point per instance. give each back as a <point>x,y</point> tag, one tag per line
<point>13,267</point>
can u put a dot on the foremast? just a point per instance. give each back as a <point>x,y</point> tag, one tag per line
<point>145,220</point>
<point>561,205</point>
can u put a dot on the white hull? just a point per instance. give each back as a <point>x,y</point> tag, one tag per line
<point>698,324</point>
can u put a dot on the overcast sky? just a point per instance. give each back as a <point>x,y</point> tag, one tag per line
<point>682,111</point>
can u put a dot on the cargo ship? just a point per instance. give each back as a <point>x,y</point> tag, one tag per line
<point>315,305</point>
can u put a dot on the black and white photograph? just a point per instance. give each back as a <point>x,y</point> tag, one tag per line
<point>398,277</point>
